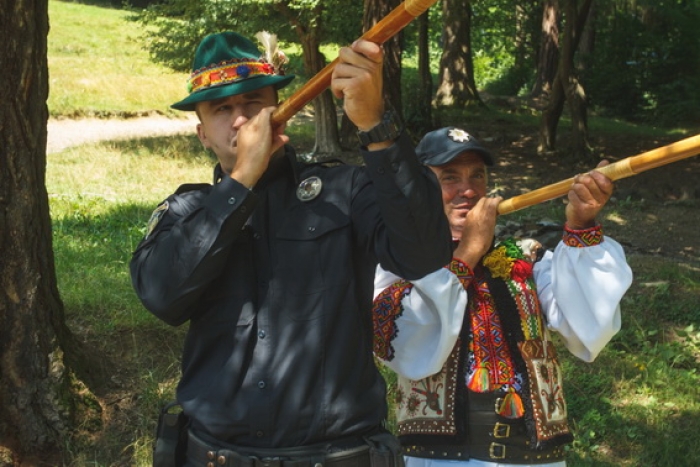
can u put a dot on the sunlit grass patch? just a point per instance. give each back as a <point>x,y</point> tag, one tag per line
<point>98,65</point>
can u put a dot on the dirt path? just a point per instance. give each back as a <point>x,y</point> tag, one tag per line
<point>65,133</point>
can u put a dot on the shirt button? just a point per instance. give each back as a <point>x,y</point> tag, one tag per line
<point>380,170</point>
<point>311,229</point>
<point>232,200</point>
<point>261,334</point>
<point>261,384</point>
<point>259,434</point>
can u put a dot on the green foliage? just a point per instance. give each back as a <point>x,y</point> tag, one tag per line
<point>495,25</point>
<point>647,61</point>
<point>174,28</point>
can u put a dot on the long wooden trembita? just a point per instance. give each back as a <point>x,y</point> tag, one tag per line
<point>384,30</point>
<point>621,169</point>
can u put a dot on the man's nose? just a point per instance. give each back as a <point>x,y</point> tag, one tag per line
<point>239,116</point>
<point>467,191</point>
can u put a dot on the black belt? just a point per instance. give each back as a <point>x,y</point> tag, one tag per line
<point>498,439</point>
<point>207,455</point>
<point>491,438</point>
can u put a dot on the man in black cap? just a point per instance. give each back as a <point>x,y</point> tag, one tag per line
<point>272,266</point>
<point>479,384</point>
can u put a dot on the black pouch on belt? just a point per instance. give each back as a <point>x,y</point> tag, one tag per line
<point>170,447</point>
<point>385,450</point>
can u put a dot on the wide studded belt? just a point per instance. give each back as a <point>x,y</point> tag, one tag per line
<point>491,438</point>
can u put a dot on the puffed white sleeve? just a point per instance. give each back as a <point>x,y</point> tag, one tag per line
<point>417,323</point>
<point>580,289</point>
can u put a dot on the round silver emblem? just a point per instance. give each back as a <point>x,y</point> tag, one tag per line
<point>309,189</point>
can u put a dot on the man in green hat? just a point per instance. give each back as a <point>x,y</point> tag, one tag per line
<point>273,267</point>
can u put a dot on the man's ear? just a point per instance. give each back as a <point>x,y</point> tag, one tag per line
<point>201,134</point>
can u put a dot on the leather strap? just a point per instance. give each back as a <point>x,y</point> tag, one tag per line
<point>207,455</point>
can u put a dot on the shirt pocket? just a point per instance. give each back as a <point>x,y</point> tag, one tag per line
<point>312,257</point>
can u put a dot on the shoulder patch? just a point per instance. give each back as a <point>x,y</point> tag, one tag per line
<point>156,217</point>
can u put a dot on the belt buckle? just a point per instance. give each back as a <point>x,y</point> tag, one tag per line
<point>497,404</point>
<point>497,455</point>
<point>268,461</point>
<point>501,430</point>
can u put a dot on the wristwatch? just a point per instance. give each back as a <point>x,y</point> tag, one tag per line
<point>388,129</point>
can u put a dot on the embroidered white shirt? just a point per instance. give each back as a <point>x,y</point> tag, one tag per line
<point>579,290</point>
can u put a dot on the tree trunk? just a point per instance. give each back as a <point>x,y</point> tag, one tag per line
<point>550,118</point>
<point>457,86</point>
<point>374,11</point>
<point>326,118</point>
<point>526,32</point>
<point>549,50</point>
<point>570,89</point>
<point>423,120</point>
<point>325,113</point>
<point>37,406</point>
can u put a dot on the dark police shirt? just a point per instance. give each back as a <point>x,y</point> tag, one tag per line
<point>278,292</point>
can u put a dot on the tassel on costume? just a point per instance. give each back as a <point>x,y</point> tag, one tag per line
<point>479,381</point>
<point>512,405</point>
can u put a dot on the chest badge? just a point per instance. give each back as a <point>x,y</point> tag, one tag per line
<point>309,189</point>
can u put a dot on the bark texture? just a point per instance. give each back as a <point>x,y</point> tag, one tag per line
<point>37,405</point>
<point>567,88</point>
<point>548,56</point>
<point>325,113</point>
<point>457,86</point>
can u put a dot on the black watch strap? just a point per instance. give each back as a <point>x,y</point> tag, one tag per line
<point>387,130</point>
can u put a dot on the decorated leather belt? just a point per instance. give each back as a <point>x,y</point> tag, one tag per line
<point>490,438</point>
<point>206,455</point>
<point>494,438</point>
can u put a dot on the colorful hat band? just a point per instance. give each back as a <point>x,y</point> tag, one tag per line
<point>226,73</point>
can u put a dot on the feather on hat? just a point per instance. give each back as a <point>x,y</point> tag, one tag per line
<point>273,54</point>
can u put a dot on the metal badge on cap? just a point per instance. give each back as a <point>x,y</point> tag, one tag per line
<point>459,135</point>
<point>309,189</point>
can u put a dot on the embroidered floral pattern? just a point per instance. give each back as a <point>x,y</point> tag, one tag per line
<point>461,270</point>
<point>387,308</point>
<point>427,406</point>
<point>493,365</point>
<point>227,72</point>
<point>583,238</point>
<point>502,260</point>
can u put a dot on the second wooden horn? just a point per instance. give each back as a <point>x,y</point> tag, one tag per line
<point>623,168</point>
<point>385,29</point>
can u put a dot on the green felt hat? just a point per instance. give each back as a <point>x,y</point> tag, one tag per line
<point>226,64</point>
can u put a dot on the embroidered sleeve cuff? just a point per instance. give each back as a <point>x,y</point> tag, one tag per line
<point>461,270</point>
<point>583,238</point>
<point>386,309</point>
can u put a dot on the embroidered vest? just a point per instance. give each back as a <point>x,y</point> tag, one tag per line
<point>504,351</point>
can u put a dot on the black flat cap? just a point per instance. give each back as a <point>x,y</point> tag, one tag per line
<point>441,146</point>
